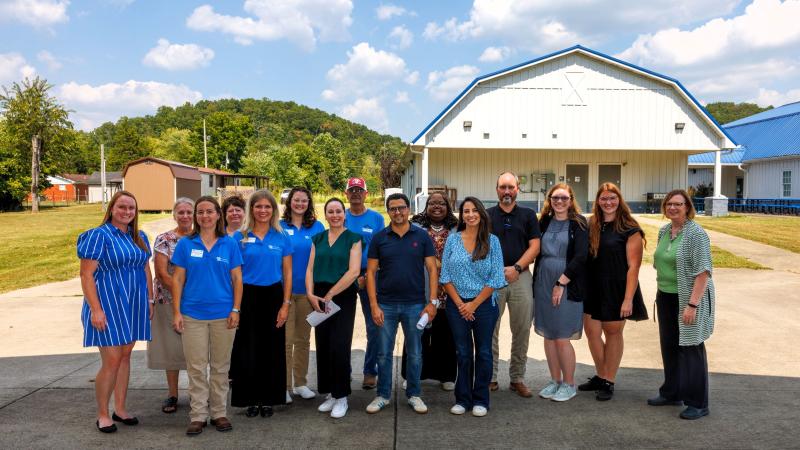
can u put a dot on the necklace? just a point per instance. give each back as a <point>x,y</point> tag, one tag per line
<point>437,229</point>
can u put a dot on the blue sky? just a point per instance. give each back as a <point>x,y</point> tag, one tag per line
<point>390,65</point>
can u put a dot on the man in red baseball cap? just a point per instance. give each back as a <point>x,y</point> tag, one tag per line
<point>366,222</point>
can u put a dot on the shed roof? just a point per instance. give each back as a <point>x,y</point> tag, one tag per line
<point>179,170</point>
<point>76,177</point>
<point>592,54</point>
<point>111,177</point>
<point>213,171</point>
<point>769,134</point>
<point>731,158</point>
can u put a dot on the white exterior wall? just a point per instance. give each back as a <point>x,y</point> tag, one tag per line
<point>701,175</point>
<point>96,193</point>
<point>705,175</point>
<point>611,108</point>
<point>765,178</point>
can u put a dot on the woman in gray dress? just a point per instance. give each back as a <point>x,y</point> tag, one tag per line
<point>559,288</point>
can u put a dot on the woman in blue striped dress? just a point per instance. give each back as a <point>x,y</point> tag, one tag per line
<point>117,288</point>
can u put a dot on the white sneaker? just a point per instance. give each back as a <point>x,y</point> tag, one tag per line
<point>378,404</point>
<point>479,411</point>
<point>458,409</point>
<point>405,384</point>
<point>550,390</point>
<point>448,386</point>
<point>564,393</point>
<point>418,405</point>
<point>288,398</point>
<point>327,405</point>
<point>339,408</point>
<point>304,391</point>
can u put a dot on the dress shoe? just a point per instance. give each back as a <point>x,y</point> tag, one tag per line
<point>109,429</point>
<point>692,413</point>
<point>252,411</point>
<point>521,389</point>
<point>661,401</point>
<point>222,424</point>
<point>493,386</point>
<point>266,411</point>
<point>129,421</point>
<point>195,427</point>
<point>370,382</point>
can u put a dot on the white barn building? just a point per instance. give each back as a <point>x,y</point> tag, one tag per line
<point>575,115</point>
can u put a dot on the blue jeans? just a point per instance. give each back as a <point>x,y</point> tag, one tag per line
<point>371,353</point>
<point>474,362</point>
<point>407,315</point>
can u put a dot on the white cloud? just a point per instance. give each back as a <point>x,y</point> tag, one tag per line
<point>401,97</point>
<point>767,97</point>
<point>178,56</point>
<point>14,68</point>
<point>738,80</point>
<point>495,54</point>
<point>366,73</point>
<point>764,25</point>
<point>51,61</point>
<point>37,13</point>
<point>445,85</point>
<point>299,21</point>
<point>367,111</point>
<point>386,12</point>
<point>107,102</point>
<point>412,78</point>
<point>401,36</point>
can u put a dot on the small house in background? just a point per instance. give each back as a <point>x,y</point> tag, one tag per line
<point>64,188</point>
<point>113,184</point>
<point>157,183</point>
<point>80,184</point>
<point>212,181</point>
<point>701,172</point>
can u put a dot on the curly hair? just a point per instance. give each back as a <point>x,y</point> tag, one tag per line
<point>309,217</point>
<point>422,219</point>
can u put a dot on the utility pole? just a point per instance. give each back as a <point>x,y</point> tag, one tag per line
<point>36,149</point>
<point>205,150</point>
<point>103,194</point>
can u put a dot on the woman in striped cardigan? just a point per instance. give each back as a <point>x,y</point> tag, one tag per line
<point>685,304</point>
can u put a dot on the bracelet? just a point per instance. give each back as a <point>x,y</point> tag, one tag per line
<point>690,305</point>
<point>287,302</point>
<point>151,301</point>
<point>236,310</point>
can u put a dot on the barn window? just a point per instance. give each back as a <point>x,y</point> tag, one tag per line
<point>787,183</point>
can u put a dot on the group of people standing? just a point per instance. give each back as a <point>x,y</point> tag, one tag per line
<point>234,284</point>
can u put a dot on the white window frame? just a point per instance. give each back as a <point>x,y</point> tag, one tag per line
<point>784,184</point>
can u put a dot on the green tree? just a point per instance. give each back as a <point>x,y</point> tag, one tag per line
<point>173,144</point>
<point>127,144</point>
<point>34,120</point>
<point>228,134</point>
<point>329,149</point>
<point>727,112</point>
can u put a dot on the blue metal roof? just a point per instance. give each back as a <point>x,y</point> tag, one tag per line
<point>770,134</point>
<point>563,52</point>
<point>732,157</point>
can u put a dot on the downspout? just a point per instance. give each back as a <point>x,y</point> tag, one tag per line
<point>422,191</point>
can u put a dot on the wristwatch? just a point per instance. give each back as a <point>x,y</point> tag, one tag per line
<point>518,268</point>
<point>559,283</point>
<point>236,310</point>
<point>435,302</point>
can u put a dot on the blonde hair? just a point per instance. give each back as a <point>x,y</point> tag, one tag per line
<point>257,196</point>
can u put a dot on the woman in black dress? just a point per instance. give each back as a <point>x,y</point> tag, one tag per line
<point>616,244</point>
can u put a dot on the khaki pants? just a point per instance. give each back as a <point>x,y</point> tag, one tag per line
<point>298,338</point>
<point>207,348</point>
<point>519,298</point>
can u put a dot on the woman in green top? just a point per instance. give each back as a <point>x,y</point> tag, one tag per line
<point>333,266</point>
<point>685,303</point>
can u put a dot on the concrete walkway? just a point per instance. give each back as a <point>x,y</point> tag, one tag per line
<point>766,255</point>
<point>47,391</point>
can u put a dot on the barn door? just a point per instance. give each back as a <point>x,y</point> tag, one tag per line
<point>609,173</point>
<point>578,178</point>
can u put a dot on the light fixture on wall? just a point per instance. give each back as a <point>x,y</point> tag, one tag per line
<point>467,125</point>
<point>679,126</point>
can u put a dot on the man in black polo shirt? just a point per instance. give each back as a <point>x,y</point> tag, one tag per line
<point>397,258</point>
<point>518,231</point>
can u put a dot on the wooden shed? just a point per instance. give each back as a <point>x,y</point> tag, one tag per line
<point>157,183</point>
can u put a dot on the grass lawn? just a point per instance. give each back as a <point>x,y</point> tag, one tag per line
<point>40,248</point>
<point>719,258</point>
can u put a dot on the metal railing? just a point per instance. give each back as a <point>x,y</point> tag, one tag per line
<point>778,206</point>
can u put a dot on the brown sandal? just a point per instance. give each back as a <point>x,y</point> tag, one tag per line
<point>170,405</point>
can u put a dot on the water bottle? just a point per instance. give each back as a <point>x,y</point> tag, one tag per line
<point>423,322</point>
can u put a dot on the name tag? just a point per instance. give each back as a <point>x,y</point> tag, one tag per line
<point>251,240</point>
<point>273,247</point>
<point>197,253</point>
<point>308,237</point>
<point>290,232</point>
<point>366,230</point>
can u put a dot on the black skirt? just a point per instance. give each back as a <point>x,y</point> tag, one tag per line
<point>438,352</point>
<point>258,360</point>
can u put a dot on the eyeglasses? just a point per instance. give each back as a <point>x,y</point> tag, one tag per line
<point>356,190</point>
<point>397,209</point>
<point>675,204</point>
<point>435,203</point>
<point>559,198</point>
<point>608,199</point>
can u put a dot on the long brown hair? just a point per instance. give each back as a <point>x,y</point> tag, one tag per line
<point>219,230</point>
<point>137,239</point>
<point>574,211</point>
<point>482,245</point>
<point>309,217</point>
<point>623,219</point>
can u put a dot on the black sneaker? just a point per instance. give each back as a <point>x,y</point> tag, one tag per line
<point>606,391</point>
<point>593,384</point>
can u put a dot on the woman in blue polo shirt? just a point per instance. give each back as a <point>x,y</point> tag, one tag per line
<point>206,294</point>
<point>116,282</point>
<point>300,224</point>
<point>258,364</point>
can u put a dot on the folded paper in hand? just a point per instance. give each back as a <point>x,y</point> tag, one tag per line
<point>316,318</point>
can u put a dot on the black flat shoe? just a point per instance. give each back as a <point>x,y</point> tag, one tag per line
<point>692,413</point>
<point>252,411</point>
<point>129,421</point>
<point>266,411</point>
<point>661,401</point>
<point>109,429</point>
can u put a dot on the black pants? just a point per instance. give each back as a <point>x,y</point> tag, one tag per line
<point>333,338</point>
<point>438,351</point>
<point>258,359</point>
<point>685,367</point>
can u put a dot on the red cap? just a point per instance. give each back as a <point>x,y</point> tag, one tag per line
<point>356,182</point>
